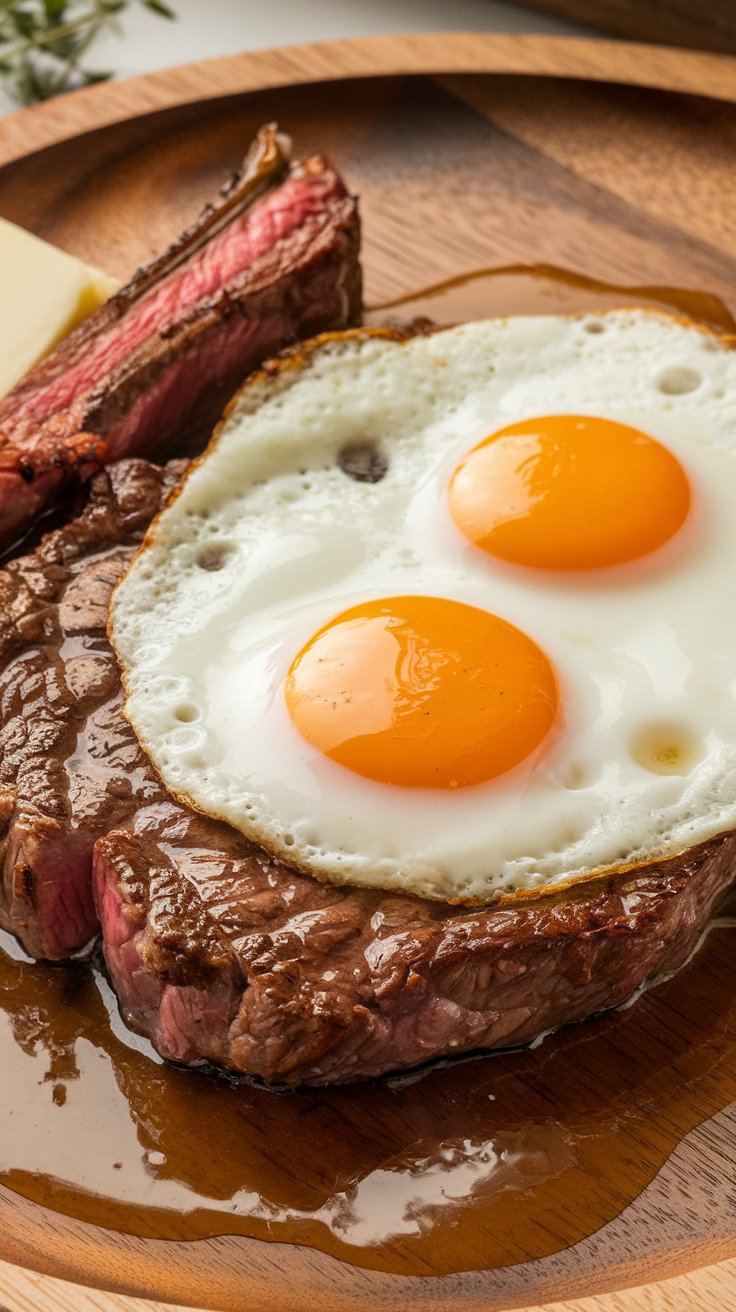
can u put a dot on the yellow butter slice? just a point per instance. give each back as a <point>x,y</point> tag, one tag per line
<point>44,293</point>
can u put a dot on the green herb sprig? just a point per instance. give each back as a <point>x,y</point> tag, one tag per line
<point>43,43</point>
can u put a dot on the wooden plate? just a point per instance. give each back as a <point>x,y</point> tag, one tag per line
<point>614,161</point>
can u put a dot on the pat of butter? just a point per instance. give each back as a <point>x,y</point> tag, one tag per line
<point>44,293</point>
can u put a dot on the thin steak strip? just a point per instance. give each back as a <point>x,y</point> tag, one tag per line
<point>276,259</point>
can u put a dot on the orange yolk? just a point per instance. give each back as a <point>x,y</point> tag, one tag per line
<point>422,692</point>
<point>569,492</point>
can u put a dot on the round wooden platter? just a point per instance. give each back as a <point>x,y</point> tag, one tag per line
<point>616,161</point>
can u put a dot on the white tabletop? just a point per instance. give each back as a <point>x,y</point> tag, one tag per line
<point>206,28</point>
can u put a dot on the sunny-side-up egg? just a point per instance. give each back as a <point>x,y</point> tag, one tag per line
<point>453,614</point>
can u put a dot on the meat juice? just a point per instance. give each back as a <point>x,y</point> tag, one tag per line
<point>468,1165</point>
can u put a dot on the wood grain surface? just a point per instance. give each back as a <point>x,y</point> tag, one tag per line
<point>468,152</point>
<point>673,22</point>
<point>711,1289</point>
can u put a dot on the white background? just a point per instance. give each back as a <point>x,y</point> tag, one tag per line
<point>207,28</point>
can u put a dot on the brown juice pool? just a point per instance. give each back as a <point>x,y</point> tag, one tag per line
<point>477,1163</point>
<point>472,1165</point>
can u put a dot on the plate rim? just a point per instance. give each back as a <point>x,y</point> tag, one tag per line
<point>664,68</point>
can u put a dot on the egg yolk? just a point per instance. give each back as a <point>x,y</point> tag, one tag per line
<point>422,692</point>
<point>569,492</point>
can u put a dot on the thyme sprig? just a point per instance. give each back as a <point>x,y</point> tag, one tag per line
<point>43,43</point>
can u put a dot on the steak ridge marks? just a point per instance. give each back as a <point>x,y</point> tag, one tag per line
<point>57,675</point>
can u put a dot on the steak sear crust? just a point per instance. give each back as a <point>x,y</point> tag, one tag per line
<point>66,775</point>
<point>274,260</point>
<point>219,953</point>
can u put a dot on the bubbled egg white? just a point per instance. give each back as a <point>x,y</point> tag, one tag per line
<point>269,539</point>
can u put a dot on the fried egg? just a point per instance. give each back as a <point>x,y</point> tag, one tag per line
<point>451,614</point>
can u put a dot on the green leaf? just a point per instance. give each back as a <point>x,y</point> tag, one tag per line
<point>158,7</point>
<point>25,24</point>
<point>30,85</point>
<point>64,48</point>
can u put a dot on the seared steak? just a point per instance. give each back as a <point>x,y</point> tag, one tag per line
<point>219,953</point>
<point>274,260</point>
<point>66,776</point>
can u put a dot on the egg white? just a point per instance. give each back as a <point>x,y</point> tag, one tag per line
<point>645,651</point>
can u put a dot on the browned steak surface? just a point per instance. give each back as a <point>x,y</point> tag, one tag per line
<point>219,953</point>
<point>66,773</point>
<point>273,261</point>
